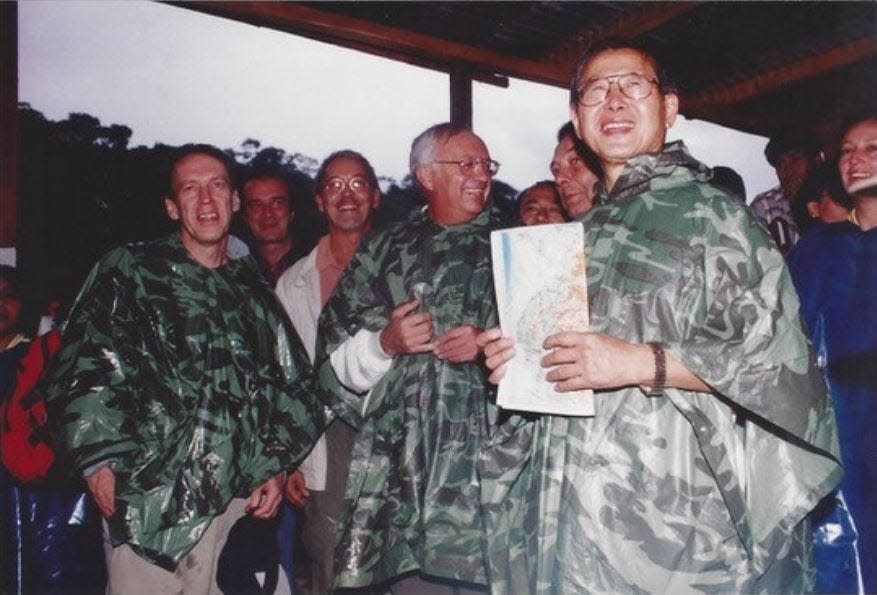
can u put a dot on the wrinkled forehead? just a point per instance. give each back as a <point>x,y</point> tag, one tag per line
<point>620,61</point>
<point>540,195</point>
<point>462,144</point>
<point>564,148</point>
<point>345,166</point>
<point>199,163</point>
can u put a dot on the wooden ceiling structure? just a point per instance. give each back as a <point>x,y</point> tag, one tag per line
<point>753,66</point>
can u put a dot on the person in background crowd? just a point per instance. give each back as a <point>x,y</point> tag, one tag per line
<point>792,153</point>
<point>713,436</point>
<point>12,335</point>
<point>13,346</point>
<point>730,181</point>
<point>49,533</point>
<point>822,198</point>
<point>268,212</point>
<point>347,194</point>
<point>834,268</point>
<point>400,328</point>
<point>540,203</point>
<point>575,170</point>
<point>180,391</point>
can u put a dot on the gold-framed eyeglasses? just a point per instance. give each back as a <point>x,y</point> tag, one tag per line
<point>337,185</point>
<point>633,85</point>
<point>468,166</point>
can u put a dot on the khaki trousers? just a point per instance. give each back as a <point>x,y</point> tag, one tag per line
<point>129,574</point>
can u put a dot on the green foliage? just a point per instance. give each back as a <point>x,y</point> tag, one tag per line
<point>84,191</point>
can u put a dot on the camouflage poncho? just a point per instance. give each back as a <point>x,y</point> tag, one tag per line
<point>687,491</point>
<point>412,495</point>
<point>190,381</point>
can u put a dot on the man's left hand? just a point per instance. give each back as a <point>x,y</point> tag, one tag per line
<point>578,361</point>
<point>458,344</point>
<point>266,499</point>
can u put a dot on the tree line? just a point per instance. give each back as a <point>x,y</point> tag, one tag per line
<point>83,190</point>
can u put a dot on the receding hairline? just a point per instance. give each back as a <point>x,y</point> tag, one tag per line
<point>665,84</point>
<point>650,60</point>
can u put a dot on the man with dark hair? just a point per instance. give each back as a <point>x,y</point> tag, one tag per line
<point>398,351</point>
<point>540,203</point>
<point>821,199</point>
<point>347,194</point>
<point>181,392</point>
<point>730,181</point>
<point>268,212</point>
<point>575,170</point>
<point>712,436</point>
<point>792,153</point>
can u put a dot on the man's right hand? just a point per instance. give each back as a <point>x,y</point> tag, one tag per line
<point>297,489</point>
<point>498,350</point>
<point>102,485</point>
<point>408,331</point>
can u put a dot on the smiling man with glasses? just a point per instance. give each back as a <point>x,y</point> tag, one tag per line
<point>347,194</point>
<point>399,353</point>
<point>712,437</point>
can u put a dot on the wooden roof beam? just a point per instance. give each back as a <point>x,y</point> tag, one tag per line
<point>647,17</point>
<point>400,44</point>
<point>787,74</point>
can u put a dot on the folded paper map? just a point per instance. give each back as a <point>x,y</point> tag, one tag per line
<point>541,289</point>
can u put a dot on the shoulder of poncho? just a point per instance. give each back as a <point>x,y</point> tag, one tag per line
<point>134,253</point>
<point>412,225</point>
<point>680,178</point>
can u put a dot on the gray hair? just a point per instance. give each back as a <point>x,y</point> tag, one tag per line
<point>423,147</point>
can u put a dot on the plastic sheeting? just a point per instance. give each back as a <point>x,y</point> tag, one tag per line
<point>51,541</point>
<point>835,271</point>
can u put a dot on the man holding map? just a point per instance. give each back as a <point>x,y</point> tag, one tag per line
<point>712,436</point>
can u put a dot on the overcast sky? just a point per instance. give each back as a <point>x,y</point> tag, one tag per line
<point>175,76</point>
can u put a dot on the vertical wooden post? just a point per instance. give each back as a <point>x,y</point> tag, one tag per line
<point>461,96</point>
<point>9,128</point>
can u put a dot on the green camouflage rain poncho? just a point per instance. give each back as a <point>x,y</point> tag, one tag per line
<point>412,494</point>
<point>687,491</point>
<point>190,381</point>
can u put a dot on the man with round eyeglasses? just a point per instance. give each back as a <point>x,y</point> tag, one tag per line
<point>398,351</point>
<point>712,438</point>
<point>347,193</point>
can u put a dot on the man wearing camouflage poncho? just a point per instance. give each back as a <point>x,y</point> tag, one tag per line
<point>401,324</point>
<point>181,391</point>
<point>713,437</point>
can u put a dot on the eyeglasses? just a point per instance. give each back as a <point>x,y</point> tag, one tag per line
<point>468,166</point>
<point>337,185</point>
<point>633,85</point>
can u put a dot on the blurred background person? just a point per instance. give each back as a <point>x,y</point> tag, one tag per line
<point>268,212</point>
<point>792,153</point>
<point>821,199</point>
<point>540,203</point>
<point>835,272</point>
<point>49,530</point>
<point>575,170</point>
<point>730,181</point>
